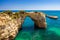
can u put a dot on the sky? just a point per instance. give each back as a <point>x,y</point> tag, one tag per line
<point>29,4</point>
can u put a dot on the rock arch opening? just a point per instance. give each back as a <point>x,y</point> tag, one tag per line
<point>28,24</point>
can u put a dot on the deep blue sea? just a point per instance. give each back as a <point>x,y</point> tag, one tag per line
<point>52,32</point>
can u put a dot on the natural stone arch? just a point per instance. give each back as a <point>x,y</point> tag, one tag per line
<point>37,17</point>
<point>10,23</point>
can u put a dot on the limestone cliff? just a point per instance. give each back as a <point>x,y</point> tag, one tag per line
<point>8,27</point>
<point>10,22</point>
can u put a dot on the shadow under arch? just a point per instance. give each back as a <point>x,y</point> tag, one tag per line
<point>28,24</point>
<point>39,21</point>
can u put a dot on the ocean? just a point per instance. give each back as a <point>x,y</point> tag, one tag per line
<point>52,32</point>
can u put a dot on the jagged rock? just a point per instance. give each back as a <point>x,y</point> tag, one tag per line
<point>8,27</point>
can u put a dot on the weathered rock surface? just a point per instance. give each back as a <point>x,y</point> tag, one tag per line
<point>10,22</point>
<point>39,18</point>
<point>8,27</point>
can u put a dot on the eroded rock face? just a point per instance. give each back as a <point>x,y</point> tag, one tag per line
<point>39,18</point>
<point>8,27</point>
<point>11,23</point>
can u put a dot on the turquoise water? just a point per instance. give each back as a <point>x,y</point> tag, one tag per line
<point>52,32</point>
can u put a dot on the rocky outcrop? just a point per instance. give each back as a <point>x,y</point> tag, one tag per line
<point>40,21</point>
<point>8,27</point>
<point>52,17</point>
<point>39,18</point>
<point>10,22</point>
